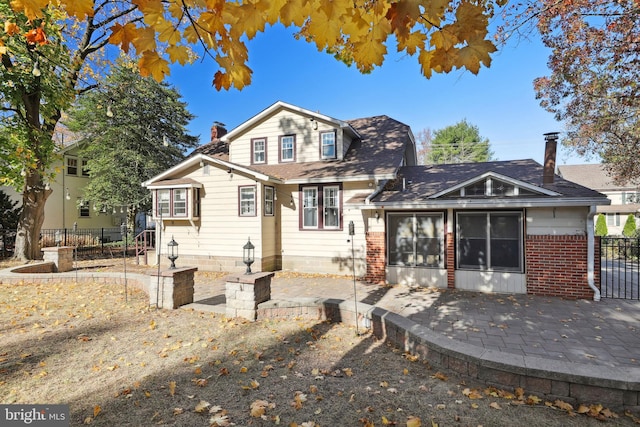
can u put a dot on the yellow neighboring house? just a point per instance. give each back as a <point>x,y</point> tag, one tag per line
<point>66,206</point>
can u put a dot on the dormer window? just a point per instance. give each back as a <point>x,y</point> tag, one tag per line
<point>328,145</point>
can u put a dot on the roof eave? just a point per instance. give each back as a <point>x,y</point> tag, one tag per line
<point>489,204</point>
<point>330,179</point>
<point>197,159</point>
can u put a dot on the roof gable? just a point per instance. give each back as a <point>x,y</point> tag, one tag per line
<point>274,109</point>
<point>436,185</point>
<point>492,184</point>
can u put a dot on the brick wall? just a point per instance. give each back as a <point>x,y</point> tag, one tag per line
<point>557,266</point>
<point>376,272</point>
<point>451,261</point>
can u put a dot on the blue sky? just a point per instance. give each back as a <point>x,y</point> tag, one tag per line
<point>499,100</point>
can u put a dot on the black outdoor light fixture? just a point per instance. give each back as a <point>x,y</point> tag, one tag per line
<point>248,251</point>
<point>172,250</point>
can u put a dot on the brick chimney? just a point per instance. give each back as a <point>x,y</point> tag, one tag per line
<point>217,131</point>
<point>551,144</point>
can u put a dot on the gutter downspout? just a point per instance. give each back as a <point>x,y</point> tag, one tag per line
<point>591,253</point>
<point>378,190</point>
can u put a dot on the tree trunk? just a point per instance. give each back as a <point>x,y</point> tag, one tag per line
<point>34,197</point>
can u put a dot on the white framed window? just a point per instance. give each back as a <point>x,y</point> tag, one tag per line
<point>288,148</point>
<point>310,207</point>
<point>613,219</point>
<point>164,202</point>
<point>321,207</point>
<point>72,166</point>
<point>490,241</point>
<point>269,200</point>
<point>179,203</point>
<point>259,150</point>
<point>328,145</point>
<point>331,204</point>
<point>416,239</point>
<point>247,201</point>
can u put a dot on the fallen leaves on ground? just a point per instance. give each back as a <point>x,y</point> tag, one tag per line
<point>182,367</point>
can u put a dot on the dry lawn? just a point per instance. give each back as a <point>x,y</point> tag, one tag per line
<point>126,364</point>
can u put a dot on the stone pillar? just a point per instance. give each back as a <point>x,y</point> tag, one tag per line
<point>61,256</point>
<point>172,288</point>
<point>244,292</point>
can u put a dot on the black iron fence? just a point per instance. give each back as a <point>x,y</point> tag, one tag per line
<point>620,268</point>
<point>88,241</point>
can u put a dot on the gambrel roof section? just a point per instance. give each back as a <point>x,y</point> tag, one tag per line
<point>516,183</point>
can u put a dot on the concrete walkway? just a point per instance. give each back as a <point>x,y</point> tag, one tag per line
<point>605,333</point>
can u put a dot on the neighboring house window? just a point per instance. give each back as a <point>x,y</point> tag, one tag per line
<point>269,198</point>
<point>490,241</point>
<point>416,239</point>
<point>613,219</point>
<point>247,201</point>
<point>259,150</point>
<point>630,197</point>
<point>321,207</point>
<point>175,202</point>
<point>84,209</point>
<point>328,145</point>
<point>85,169</point>
<point>288,148</point>
<point>72,166</point>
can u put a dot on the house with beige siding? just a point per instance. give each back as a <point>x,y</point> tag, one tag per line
<point>625,197</point>
<point>293,181</point>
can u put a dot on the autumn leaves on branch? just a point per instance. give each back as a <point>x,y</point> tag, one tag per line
<point>442,34</point>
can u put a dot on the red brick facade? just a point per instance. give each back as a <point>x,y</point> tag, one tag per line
<point>451,261</point>
<point>557,266</point>
<point>376,260</point>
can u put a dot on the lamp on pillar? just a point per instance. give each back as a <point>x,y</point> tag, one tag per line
<point>248,255</point>
<point>172,250</point>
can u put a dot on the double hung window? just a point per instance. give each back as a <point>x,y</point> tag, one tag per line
<point>72,166</point>
<point>259,149</point>
<point>269,200</point>
<point>321,207</point>
<point>247,200</point>
<point>328,145</point>
<point>180,203</point>
<point>288,148</point>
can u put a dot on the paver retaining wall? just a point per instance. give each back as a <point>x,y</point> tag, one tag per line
<point>615,388</point>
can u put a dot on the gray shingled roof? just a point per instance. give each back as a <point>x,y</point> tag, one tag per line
<point>379,152</point>
<point>592,176</point>
<point>215,148</point>
<point>433,179</point>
